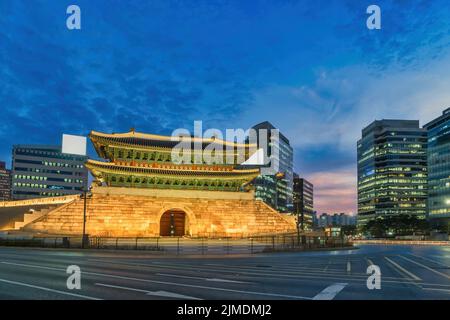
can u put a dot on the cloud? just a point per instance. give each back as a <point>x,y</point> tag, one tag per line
<point>334,190</point>
<point>341,102</point>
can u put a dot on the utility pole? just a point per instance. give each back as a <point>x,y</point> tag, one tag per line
<point>298,221</point>
<point>302,215</point>
<point>83,239</point>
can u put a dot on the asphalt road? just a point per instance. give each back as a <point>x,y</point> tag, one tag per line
<point>407,272</point>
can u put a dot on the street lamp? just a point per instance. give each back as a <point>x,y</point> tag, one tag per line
<point>298,210</point>
<point>299,220</point>
<point>83,239</point>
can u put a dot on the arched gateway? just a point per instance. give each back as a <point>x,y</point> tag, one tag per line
<point>173,223</point>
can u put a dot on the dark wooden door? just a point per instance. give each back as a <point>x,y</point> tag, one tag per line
<point>173,223</point>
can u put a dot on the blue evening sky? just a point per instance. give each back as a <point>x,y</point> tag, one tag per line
<point>312,68</point>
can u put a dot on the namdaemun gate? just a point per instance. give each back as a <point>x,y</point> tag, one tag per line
<point>139,191</point>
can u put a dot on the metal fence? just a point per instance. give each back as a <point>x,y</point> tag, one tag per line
<point>184,245</point>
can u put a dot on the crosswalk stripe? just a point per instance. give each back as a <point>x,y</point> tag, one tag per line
<point>330,292</point>
<point>426,267</point>
<point>430,260</point>
<point>410,274</point>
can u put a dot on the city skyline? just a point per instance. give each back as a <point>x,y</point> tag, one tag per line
<point>157,69</point>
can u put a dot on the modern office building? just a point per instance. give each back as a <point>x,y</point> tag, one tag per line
<point>5,183</point>
<point>303,201</point>
<point>315,220</point>
<point>45,171</point>
<point>324,220</point>
<point>347,219</point>
<point>266,190</point>
<point>343,219</point>
<point>276,189</point>
<point>392,170</point>
<point>439,169</point>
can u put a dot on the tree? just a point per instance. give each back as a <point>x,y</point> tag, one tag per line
<point>349,230</point>
<point>375,228</point>
<point>398,225</point>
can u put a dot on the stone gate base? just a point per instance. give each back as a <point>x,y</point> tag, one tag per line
<point>128,212</point>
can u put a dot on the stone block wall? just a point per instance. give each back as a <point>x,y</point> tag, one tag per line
<point>128,215</point>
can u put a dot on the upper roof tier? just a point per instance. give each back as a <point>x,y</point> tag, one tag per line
<point>103,143</point>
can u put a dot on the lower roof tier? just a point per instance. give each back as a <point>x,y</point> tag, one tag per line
<point>173,176</point>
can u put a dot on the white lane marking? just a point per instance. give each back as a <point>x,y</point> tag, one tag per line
<point>165,282</point>
<point>410,274</point>
<point>437,289</point>
<point>179,276</point>
<point>436,284</point>
<point>31,266</point>
<point>349,266</point>
<point>224,280</point>
<point>304,275</point>
<point>170,295</point>
<point>370,262</point>
<point>199,278</point>
<point>430,260</point>
<point>226,268</point>
<point>326,267</point>
<point>48,289</point>
<point>426,267</point>
<point>330,292</point>
<point>166,294</point>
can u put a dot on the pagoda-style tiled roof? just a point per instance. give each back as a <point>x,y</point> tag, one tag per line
<point>139,140</point>
<point>146,160</point>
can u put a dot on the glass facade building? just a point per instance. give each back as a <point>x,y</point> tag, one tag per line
<point>439,169</point>
<point>45,171</point>
<point>5,183</point>
<point>303,195</point>
<point>276,190</point>
<point>266,190</point>
<point>392,170</point>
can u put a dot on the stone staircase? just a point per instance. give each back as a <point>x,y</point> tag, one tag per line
<point>32,216</point>
<point>139,216</point>
<point>20,210</point>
